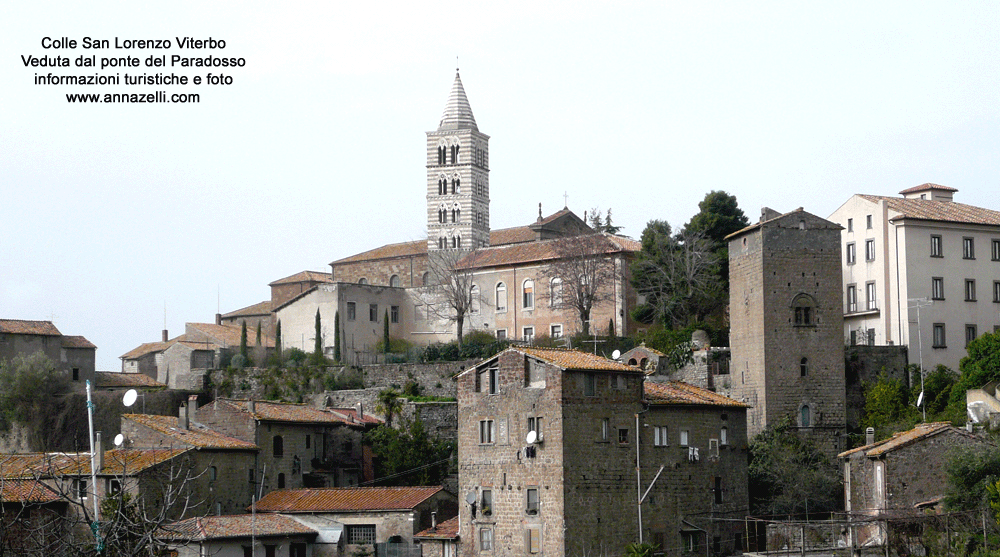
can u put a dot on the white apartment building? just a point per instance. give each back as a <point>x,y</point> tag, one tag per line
<point>920,270</point>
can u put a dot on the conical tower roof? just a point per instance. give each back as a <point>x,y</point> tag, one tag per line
<point>458,114</point>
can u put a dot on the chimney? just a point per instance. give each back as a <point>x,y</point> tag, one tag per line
<point>165,336</point>
<point>869,436</point>
<point>218,319</point>
<point>539,212</point>
<point>98,453</point>
<point>182,417</point>
<point>360,410</point>
<point>192,408</point>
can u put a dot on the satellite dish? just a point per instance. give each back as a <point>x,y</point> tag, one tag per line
<point>129,398</point>
<point>532,437</point>
<point>119,439</point>
<point>470,497</point>
<point>920,399</point>
<point>616,354</point>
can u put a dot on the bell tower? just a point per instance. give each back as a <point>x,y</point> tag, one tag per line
<point>458,183</point>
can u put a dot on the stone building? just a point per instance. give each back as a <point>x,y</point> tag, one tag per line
<point>73,355</point>
<point>240,534</point>
<point>440,540</point>
<point>921,270</point>
<point>888,479</point>
<point>301,446</point>
<point>786,325</point>
<point>547,457</point>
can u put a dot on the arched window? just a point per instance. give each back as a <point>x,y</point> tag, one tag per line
<point>362,280</point>
<point>394,281</point>
<point>803,367</point>
<point>555,292</point>
<point>474,305</point>
<point>442,154</point>
<point>278,446</point>
<point>501,304</point>
<point>528,294</point>
<point>441,215</point>
<point>456,186</point>
<point>281,481</point>
<point>458,215</point>
<point>454,215</point>
<point>425,280</point>
<point>724,436</point>
<point>805,417</point>
<point>804,311</point>
<point>454,154</point>
<point>442,186</point>
<point>458,242</point>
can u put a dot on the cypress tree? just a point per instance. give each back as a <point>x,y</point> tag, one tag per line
<point>277,342</point>
<point>385,332</point>
<point>243,341</point>
<point>611,327</point>
<point>318,347</point>
<point>336,336</point>
<point>258,333</point>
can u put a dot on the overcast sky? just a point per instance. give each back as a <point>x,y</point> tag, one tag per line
<point>120,219</point>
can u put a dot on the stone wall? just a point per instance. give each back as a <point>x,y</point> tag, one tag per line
<point>435,379</point>
<point>865,364</point>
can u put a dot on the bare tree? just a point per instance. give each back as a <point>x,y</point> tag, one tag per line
<point>583,275</point>
<point>451,296</point>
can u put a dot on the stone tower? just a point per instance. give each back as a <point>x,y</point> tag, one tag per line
<point>458,178</point>
<point>787,325</point>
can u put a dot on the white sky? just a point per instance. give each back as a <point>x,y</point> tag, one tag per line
<point>111,213</point>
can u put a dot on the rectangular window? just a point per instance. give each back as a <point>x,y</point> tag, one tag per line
<point>660,436</point>
<point>996,250</point>
<point>852,298</point>
<point>851,253</point>
<point>869,250</point>
<point>535,424</point>
<point>486,539</point>
<point>487,432</point>
<point>684,438</point>
<point>555,331</point>
<point>605,428</point>
<point>534,540</point>
<point>936,250</point>
<point>870,291</point>
<point>724,436</point>
<point>531,501</point>
<point>590,384</point>
<point>81,488</point>
<point>528,333</point>
<point>968,248</point>
<point>487,502</point>
<point>937,288</point>
<point>501,334</point>
<point>373,313</point>
<point>850,225</point>
<point>528,298</point>
<point>996,291</point>
<point>870,337</point>
<point>394,314</point>
<point>622,436</point>
<point>717,490</point>
<point>352,311</point>
<point>308,441</point>
<point>360,533</point>
<point>868,221</point>
<point>939,338</point>
<point>854,338</point>
<point>970,290</point>
<point>970,334</point>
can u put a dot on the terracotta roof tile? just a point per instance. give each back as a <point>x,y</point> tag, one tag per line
<point>447,530</point>
<point>288,412</point>
<point>388,251</point>
<point>27,491</point>
<point>229,335</point>
<point>904,438</point>
<point>24,327</point>
<point>76,342</point>
<point>574,360</point>
<point>944,211</point>
<point>515,235</point>
<point>344,499</point>
<point>147,348</point>
<point>117,462</point>
<point>260,308</point>
<point>352,415</point>
<point>198,436</point>
<point>233,526</point>
<point>677,392</point>
<point>545,250</point>
<point>114,379</point>
<point>925,187</point>
<point>304,276</point>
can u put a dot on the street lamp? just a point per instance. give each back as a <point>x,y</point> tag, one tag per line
<point>919,303</point>
<point>127,400</point>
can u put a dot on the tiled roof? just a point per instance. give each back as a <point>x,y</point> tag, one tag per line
<point>388,251</point>
<point>944,211</point>
<point>260,308</point>
<point>147,348</point>
<point>925,187</point>
<point>515,235</point>
<point>545,250</point>
<point>198,436</point>
<point>288,412</point>
<point>344,499</point>
<point>677,392</point>
<point>447,530</point>
<point>32,465</point>
<point>114,379</point>
<point>647,349</point>
<point>26,491</point>
<point>904,438</point>
<point>117,462</point>
<point>781,216</point>
<point>23,327</point>
<point>457,113</point>
<point>76,342</point>
<point>229,335</point>
<point>304,276</point>
<point>233,526</point>
<point>575,359</point>
<point>554,216</point>
<point>352,415</point>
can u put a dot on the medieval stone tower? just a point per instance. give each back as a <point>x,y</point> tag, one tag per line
<point>458,183</point>
<point>787,325</point>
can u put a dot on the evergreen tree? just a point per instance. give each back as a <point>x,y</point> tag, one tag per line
<point>336,336</point>
<point>317,355</point>
<point>385,332</point>
<point>611,327</point>
<point>258,333</point>
<point>243,342</point>
<point>277,341</point>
